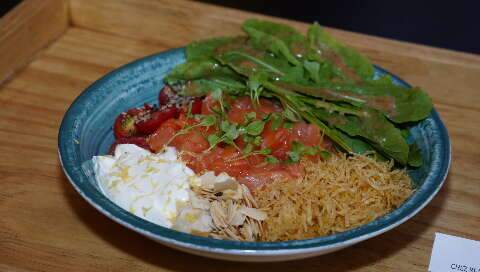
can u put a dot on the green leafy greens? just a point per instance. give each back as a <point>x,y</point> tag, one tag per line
<point>315,78</point>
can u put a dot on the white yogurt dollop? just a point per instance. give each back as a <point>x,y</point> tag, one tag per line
<point>155,187</point>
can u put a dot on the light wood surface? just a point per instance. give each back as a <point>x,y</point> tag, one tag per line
<point>46,226</point>
<point>30,26</point>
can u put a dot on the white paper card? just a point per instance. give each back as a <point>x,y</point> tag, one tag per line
<point>454,254</point>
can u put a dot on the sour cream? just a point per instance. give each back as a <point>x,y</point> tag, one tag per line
<point>155,187</point>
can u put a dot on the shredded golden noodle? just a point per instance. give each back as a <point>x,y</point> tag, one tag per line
<point>335,195</point>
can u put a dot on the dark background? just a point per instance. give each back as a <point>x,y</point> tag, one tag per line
<point>449,24</point>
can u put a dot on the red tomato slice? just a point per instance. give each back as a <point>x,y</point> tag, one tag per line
<point>124,126</point>
<point>156,118</point>
<point>197,106</point>
<point>165,95</point>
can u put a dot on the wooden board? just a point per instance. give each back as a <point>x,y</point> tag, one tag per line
<point>46,226</point>
<point>29,27</point>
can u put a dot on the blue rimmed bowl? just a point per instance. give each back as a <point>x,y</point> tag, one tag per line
<point>86,131</point>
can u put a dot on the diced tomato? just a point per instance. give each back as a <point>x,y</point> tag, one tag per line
<point>227,160</point>
<point>305,133</point>
<point>163,134</point>
<point>239,109</point>
<point>192,141</point>
<point>209,104</point>
<point>155,119</point>
<point>268,106</point>
<point>274,139</point>
<point>258,176</point>
<point>256,160</point>
<point>278,141</point>
<point>138,141</point>
<point>163,126</point>
<point>243,105</point>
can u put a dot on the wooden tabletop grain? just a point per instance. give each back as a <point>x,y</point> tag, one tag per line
<point>46,226</point>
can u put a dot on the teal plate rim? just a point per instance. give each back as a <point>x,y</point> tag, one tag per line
<point>73,170</point>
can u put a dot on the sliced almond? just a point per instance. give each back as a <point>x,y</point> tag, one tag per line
<point>254,213</point>
<point>229,184</point>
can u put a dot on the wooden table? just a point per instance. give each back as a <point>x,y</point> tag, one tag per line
<point>50,50</point>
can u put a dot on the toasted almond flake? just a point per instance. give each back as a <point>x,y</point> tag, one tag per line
<point>253,213</point>
<point>229,184</point>
<point>231,207</point>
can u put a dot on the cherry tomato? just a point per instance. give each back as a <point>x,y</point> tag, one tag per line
<point>155,119</point>
<point>197,106</point>
<point>124,126</point>
<point>165,95</point>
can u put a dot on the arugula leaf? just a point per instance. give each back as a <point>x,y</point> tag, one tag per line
<point>322,71</point>
<point>255,89</point>
<point>198,69</point>
<point>202,87</point>
<point>374,127</point>
<point>251,62</point>
<point>415,156</point>
<point>206,48</point>
<point>347,59</point>
<point>273,37</point>
<point>399,104</point>
<point>290,115</point>
<point>313,70</point>
<point>354,144</point>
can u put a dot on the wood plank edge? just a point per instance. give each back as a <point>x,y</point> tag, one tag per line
<point>30,27</point>
<point>357,40</point>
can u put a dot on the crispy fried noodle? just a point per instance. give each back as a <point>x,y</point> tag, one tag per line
<point>335,195</point>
